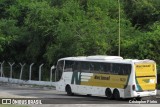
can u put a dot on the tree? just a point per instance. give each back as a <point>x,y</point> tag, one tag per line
<point>142,13</point>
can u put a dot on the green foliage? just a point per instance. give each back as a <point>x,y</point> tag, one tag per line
<point>8,33</point>
<point>142,13</point>
<point>145,45</point>
<point>42,31</point>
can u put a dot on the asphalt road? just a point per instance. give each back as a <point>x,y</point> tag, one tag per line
<point>48,95</point>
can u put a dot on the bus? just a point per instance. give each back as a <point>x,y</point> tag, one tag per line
<point>110,76</point>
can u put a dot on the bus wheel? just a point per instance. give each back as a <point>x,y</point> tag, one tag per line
<point>137,98</point>
<point>116,94</point>
<point>109,93</point>
<point>69,90</point>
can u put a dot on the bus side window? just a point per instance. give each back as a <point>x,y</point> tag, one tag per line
<point>106,68</point>
<point>68,66</point>
<point>85,67</point>
<point>114,69</point>
<point>128,69</point>
<point>91,67</point>
<point>125,71</point>
<point>102,67</point>
<point>76,66</point>
<point>96,67</point>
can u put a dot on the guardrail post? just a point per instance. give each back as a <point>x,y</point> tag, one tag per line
<point>53,67</point>
<point>30,71</point>
<point>11,68</point>
<point>2,68</point>
<point>22,66</point>
<point>40,69</point>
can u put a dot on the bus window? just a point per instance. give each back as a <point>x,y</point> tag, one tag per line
<point>76,66</point>
<point>102,67</point>
<point>91,67</point>
<point>68,66</point>
<point>127,69</point>
<point>121,69</point>
<point>107,68</point>
<point>85,67</point>
<point>95,67</point>
<point>115,68</point>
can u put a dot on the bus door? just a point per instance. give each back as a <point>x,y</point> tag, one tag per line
<point>58,75</point>
<point>145,76</point>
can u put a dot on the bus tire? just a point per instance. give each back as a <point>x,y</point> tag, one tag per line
<point>69,90</point>
<point>89,95</point>
<point>116,94</point>
<point>109,93</point>
<point>137,98</point>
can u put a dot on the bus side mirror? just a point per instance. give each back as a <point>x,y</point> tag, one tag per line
<point>53,67</point>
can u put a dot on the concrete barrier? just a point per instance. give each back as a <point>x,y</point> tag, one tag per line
<point>30,82</point>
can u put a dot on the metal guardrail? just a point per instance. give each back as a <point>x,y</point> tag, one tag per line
<point>19,80</point>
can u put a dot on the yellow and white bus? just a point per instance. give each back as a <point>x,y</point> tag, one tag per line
<point>110,76</point>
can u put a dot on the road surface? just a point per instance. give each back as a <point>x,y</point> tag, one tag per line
<point>49,95</point>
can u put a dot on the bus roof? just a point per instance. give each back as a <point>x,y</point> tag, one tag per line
<point>104,58</point>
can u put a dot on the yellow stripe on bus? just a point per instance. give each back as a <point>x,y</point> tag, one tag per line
<point>107,80</point>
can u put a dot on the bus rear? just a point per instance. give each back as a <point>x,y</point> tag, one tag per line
<point>145,79</point>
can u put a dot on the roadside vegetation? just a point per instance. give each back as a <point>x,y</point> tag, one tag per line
<point>42,31</point>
